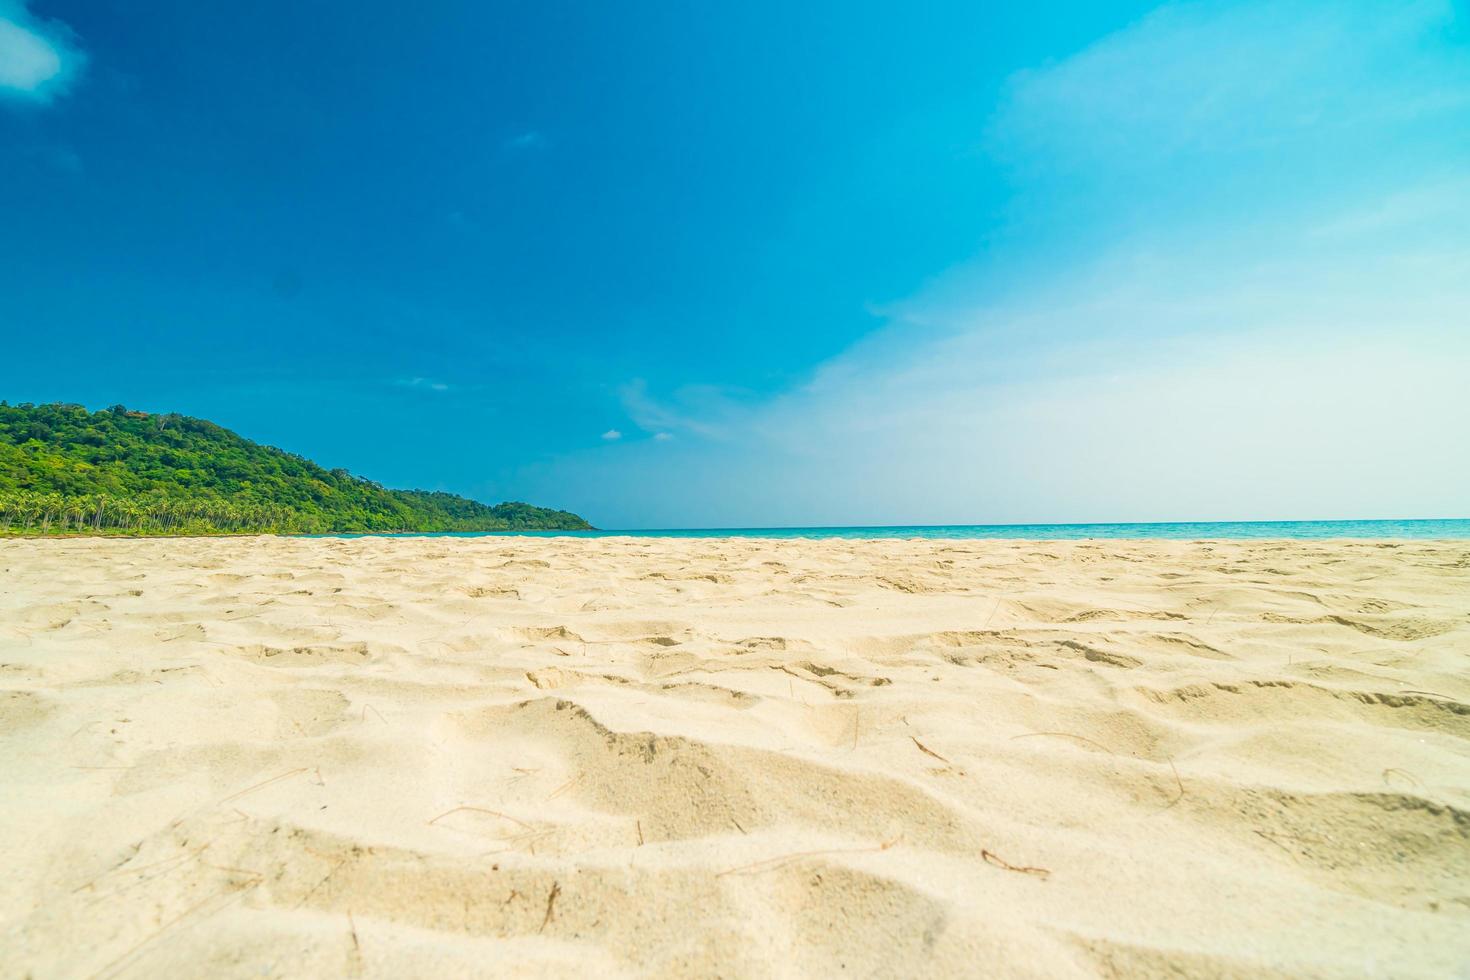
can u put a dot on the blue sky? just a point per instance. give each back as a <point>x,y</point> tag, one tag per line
<point>766,263</point>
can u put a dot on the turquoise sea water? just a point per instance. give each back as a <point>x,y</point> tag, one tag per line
<point>1189,530</point>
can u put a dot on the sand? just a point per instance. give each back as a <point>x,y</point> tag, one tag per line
<point>461,757</point>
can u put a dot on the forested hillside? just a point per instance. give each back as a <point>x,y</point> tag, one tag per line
<point>66,470</point>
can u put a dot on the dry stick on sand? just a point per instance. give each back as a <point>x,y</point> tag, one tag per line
<point>1266,836</point>
<point>230,893</point>
<point>157,872</point>
<point>480,809</point>
<point>326,878</point>
<point>1178,782</point>
<point>992,858</point>
<point>1080,738</point>
<point>992,613</point>
<point>550,902</point>
<point>564,787</point>
<point>1090,741</point>
<point>119,870</point>
<point>1404,774</point>
<point>771,864</point>
<point>247,872</point>
<point>273,779</point>
<point>928,751</point>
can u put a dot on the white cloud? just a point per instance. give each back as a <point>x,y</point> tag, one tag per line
<point>39,59</point>
<point>612,435</point>
<point>426,384</point>
<point>662,436</point>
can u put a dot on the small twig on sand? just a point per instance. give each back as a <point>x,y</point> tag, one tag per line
<point>639,825</point>
<point>1080,738</point>
<point>229,894</point>
<point>247,872</point>
<point>550,903</point>
<point>1178,782</point>
<point>928,751</point>
<point>326,878</point>
<point>252,789</point>
<point>564,787</point>
<point>152,865</point>
<point>1404,774</point>
<point>992,858</point>
<point>1264,835</point>
<point>480,809</point>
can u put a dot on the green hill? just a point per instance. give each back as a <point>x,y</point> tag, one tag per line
<point>66,470</point>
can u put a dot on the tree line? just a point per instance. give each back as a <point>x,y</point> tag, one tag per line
<point>64,469</point>
<point>28,511</point>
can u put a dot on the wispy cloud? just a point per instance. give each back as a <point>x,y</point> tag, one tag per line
<point>39,59</point>
<point>425,384</point>
<point>1431,208</point>
<point>612,435</point>
<point>708,411</point>
<point>1216,77</point>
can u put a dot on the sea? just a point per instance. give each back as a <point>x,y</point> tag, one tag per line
<point>1179,530</point>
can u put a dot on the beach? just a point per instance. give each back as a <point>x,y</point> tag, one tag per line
<point>273,757</point>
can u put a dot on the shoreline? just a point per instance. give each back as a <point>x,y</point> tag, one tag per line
<point>639,536</point>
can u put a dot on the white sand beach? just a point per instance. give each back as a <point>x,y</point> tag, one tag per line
<point>265,757</point>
